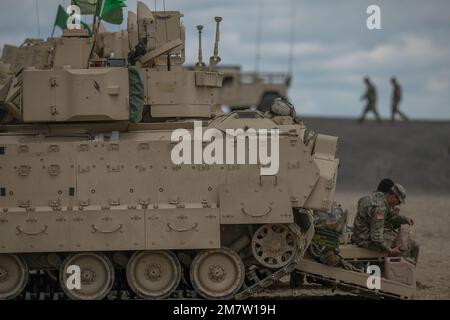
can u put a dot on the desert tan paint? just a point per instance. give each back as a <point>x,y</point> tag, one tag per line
<point>111,192</point>
<point>245,89</point>
<point>135,176</point>
<point>75,95</point>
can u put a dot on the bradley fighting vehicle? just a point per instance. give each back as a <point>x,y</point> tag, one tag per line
<point>89,189</point>
<point>31,53</point>
<point>239,90</point>
<point>4,70</point>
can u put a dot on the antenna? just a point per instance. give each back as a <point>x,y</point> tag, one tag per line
<point>37,19</point>
<point>292,39</point>
<point>167,36</point>
<point>200,64</point>
<point>214,60</point>
<point>95,27</point>
<point>258,37</point>
<point>165,20</point>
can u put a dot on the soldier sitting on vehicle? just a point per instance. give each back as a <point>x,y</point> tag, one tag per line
<point>408,247</point>
<point>377,221</point>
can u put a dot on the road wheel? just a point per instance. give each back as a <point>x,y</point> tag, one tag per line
<point>96,276</point>
<point>274,245</point>
<point>217,274</point>
<point>153,274</point>
<point>13,276</point>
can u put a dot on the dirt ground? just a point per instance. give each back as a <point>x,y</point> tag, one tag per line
<point>431,230</point>
<point>415,154</point>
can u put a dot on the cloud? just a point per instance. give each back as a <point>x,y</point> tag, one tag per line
<point>440,84</point>
<point>414,51</point>
<point>333,50</point>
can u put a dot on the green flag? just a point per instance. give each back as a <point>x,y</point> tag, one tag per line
<point>86,6</point>
<point>109,11</point>
<point>61,20</point>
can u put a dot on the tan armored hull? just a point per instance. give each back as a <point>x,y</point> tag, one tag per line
<point>116,173</point>
<point>127,193</point>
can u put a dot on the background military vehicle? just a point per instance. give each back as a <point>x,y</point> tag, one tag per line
<point>239,90</point>
<point>31,53</point>
<point>88,183</point>
<point>112,44</point>
<point>242,90</point>
<point>4,71</point>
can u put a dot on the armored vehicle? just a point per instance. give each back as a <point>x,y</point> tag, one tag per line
<point>114,177</point>
<point>113,44</point>
<point>242,90</point>
<point>239,90</point>
<point>4,71</point>
<point>31,53</point>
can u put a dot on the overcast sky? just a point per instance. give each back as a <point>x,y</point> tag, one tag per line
<point>334,49</point>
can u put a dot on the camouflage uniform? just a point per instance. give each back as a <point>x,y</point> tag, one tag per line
<point>396,98</point>
<point>395,221</point>
<point>375,223</point>
<point>371,97</point>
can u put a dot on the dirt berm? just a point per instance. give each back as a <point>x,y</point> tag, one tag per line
<point>415,154</point>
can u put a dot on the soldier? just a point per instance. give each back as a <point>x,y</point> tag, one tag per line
<point>394,223</point>
<point>371,97</point>
<point>395,101</point>
<point>394,217</point>
<point>376,220</point>
<point>385,185</point>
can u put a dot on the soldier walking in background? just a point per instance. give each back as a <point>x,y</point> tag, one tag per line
<point>371,97</point>
<point>396,99</point>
